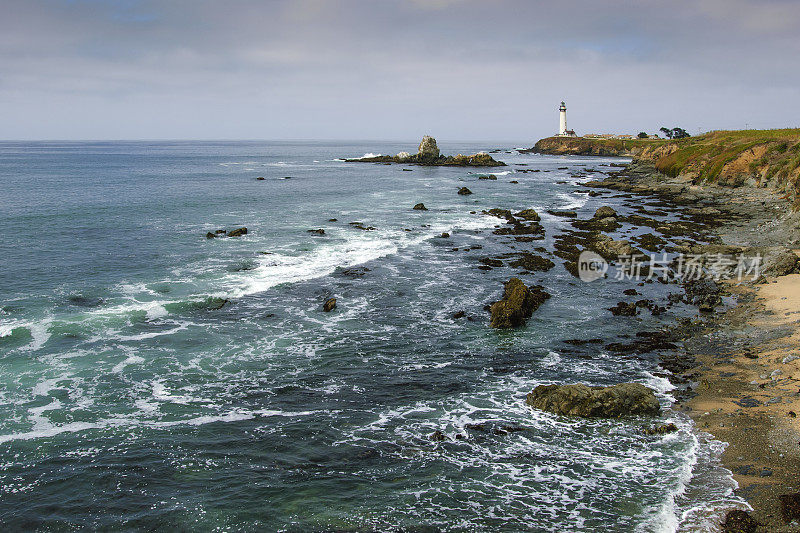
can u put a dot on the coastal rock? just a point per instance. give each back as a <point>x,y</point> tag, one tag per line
<point>222,233</point>
<point>402,157</point>
<point>319,231</point>
<point>602,402</point>
<point>534,228</point>
<point>624,309</point>
<point>329,305</point>
<point>605,224</point>
<point>663,429</point>
<point>565,214</point>
<point>464,191</point>
<point>650,341</point>
<point>428,151</point>
<point>781,264</point>
<point>488,261</point>
<point>604,212</point>
<point>353,272</point>
<point>361,226</point>
<point>597,224</point>
<point>420,207</point>
<point>704,293</point>
<point>790,506</point>
<point>651,242</point>
<point>528,214</point>
<point>611,249</point>
<point>533,263</point>
<point>500,213</point>
<point>517,305</point>
<point>437,436</point>
<point>481,159</point>
<point>738,521</point>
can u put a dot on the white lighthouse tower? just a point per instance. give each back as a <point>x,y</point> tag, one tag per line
<point>562,120</point>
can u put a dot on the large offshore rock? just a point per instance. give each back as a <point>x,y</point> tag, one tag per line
<point>428,155</point>
<point>517,305</point>
<point>428,151</point>
<point>603,402</point>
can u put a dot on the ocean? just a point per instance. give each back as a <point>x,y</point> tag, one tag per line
<point>154,379</point>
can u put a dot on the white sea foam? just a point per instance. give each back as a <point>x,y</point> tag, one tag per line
<point>153,334</point>
<point>359,248</point>
<point>8,328</point>
<point>277,269</point>
<point>572,201</point>
<point>43,428</point>
<point>39,331</point>
<point>130,360</point>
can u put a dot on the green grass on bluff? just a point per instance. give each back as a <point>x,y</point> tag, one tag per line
<point>733,157</point>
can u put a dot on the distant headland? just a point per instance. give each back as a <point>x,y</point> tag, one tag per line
<point>759,158</point>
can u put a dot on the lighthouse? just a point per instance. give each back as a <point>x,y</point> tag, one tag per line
<point>562,122</point>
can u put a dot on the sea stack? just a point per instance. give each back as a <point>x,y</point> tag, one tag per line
<point>428,152</point>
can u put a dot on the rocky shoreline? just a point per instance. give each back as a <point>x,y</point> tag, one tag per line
<point>735,366</point>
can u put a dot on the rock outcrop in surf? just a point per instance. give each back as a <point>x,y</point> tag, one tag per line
<point>238,232</point>
<point>517,305</point>
<point>428,155</point>
<point>600,402</point>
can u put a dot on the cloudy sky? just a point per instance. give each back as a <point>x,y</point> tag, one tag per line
<point>393,69</point>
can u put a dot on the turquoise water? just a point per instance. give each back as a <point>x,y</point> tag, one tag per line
<point>153,379</point>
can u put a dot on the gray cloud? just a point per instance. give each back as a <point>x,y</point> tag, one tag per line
<point>459,69</point>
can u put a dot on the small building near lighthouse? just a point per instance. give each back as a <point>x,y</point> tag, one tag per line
<point>562,122</point>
